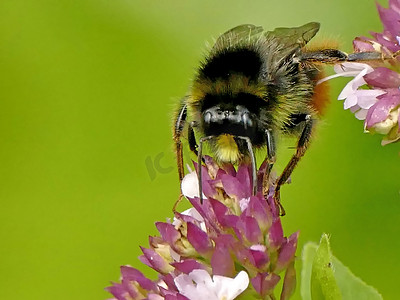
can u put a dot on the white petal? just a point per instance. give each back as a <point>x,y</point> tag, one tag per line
<point>350,101</point>
<point>367,98</point>
<point>198,285</point>
<point>192,212</point>
<point>351,87</point>
<point>231,288</point>
<point>348,70</point>
<point>186,286</point>
<point>190,186</point>
<point>361,114</point>
<point>347,67</point>
<point>354,108</point>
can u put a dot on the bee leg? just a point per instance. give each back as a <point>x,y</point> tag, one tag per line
<point>333,56</point>
<point>269,159</point>
<point>192,138</point>
<point>365,56</point>
<point>327,56</point>
<point>302,145</point>
<point>199,164</point>
<point>177,133</point>
<point>253,162</point>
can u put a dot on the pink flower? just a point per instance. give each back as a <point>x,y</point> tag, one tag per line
<point>386,42</point>
<point>215,249</point>
<point>358,100</point>
<point>373,94</point>
<point>383,116</point>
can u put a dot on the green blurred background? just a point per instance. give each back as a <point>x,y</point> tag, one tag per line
<point>86,92</point>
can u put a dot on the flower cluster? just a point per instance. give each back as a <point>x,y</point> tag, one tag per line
<point>379,105</point>
<point>231,244</point>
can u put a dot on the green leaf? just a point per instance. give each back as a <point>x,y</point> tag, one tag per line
<point>351,286</point>
<point>324,277</point>
<point>308,255</point>
<point>323,282</point>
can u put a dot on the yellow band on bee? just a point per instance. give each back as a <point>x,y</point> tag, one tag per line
<point>226,148</point>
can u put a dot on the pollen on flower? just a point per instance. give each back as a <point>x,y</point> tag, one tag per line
<point>231,244</point>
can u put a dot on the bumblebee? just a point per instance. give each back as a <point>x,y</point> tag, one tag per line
<point>253,86</point>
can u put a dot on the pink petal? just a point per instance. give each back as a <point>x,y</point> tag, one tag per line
<point>286,253</point>
<point>205,210</point>
<point>387,41</point>
<point>233,187</point>
<point>168,279</point>
<point>275,235</point>
<point>289,282</point>
<point>383,78</point>
<point>176,297</point>
<point>257,208</point>
<point>362,44</point>
<point>251,230</point>
<point>221,260</point>
<point>208,190</point>
<point>244,256</point>
<point>264,283</point>
<point>260,258</point>
<point>219,209</point>
<point>198,238</point>
<point>380,110</point>
<point>188,265</point>
<point>229,169</point>
<point>211,165</point>
<point>119,291</point>
<point>231,222</point>
<point>168,233</point>
<point>154,260</point>
<point>152,296</point>
<point>243,175</point>
<point>390,18</point>
<point>132,274</point>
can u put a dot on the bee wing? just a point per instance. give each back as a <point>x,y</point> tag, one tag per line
<point>284,45</point>
<point>238,34</point>
<point>296,37</point>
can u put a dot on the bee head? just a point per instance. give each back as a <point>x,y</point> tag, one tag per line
<point>230,114</point>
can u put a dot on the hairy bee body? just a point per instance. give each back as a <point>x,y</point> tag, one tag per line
<point>253,86</point>
<point>247,87</point>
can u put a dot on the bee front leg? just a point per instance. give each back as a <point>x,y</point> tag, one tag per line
<point>302,145</point>
<point>269,160</point>
<point>199,164</point>
<point>179,124</point>
<point>192,138</point>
